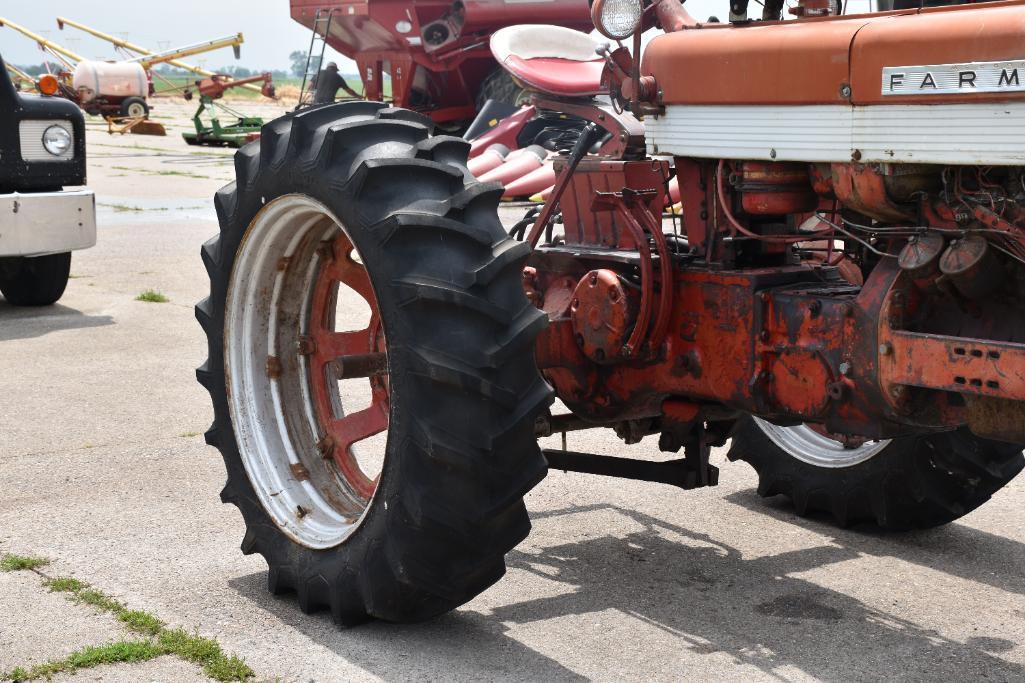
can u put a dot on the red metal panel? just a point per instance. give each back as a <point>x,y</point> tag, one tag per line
<point>966,366</point>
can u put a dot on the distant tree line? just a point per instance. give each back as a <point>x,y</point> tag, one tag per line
<point>174,72</point>
<point>296,58</point>
<point>37,70</point>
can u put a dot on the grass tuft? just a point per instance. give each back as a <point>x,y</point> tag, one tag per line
<point>121,651</point>
<point>228,669</point>
<point>184,174</point>
<point>64,584</point>
<point>206,652</point>
<point>17,563</point>
<point>124,208</point>
<point>91,596</point>
<point>86,594</point>
<point>141,622</point>
<point>87,657</point>
<point>161,641</point>
<point>152,297</point>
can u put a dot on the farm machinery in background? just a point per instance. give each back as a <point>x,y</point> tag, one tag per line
<point>117,91</point>
<point>223,126</point>
<point>435,52</point>
<point>20,79</point>
<point>129,49</point>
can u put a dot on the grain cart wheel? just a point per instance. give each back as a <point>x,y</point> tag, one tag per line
<point>905,483</point>
<point>36,281</point>
<point>358,259</point>
<point>135,107</point>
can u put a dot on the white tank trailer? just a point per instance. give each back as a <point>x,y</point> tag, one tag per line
<point>111,87</point>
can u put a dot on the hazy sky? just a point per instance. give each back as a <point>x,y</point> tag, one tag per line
<point>270,33</point>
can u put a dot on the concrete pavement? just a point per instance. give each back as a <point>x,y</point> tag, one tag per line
<point>103,470</point>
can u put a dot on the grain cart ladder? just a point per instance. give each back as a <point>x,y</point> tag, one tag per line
<point>318,42</point>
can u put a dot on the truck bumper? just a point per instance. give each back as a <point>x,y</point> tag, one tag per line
<point>39,223</point>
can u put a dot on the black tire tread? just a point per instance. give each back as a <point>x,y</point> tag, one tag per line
<point>38,281</point>
<point>498,85</point>
<point>459,507</point>
<point>914,483</point>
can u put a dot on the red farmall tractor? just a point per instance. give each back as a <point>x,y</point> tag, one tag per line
<point>842,296</point>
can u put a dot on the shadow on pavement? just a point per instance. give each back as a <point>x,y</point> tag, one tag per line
<point>462,644</point>
<point>953,549</point>
<point>702,595</point>
<point>36,322</point>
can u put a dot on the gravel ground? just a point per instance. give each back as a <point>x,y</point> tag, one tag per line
<point>104,471</point>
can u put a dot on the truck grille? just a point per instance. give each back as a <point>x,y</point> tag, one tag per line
<point>31,134</point>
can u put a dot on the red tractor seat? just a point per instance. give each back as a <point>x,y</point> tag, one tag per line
<point>552,59</point>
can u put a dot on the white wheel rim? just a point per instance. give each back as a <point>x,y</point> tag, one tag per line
<point>276,428</point>
<point>807,445</point>
<point>136,110</point>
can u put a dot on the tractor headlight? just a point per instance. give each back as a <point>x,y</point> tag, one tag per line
<point>617,19</point>
<point>56,140</point>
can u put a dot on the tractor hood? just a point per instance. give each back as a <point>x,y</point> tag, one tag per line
<point>946,55</point>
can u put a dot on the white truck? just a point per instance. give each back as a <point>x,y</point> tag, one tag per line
<point>42,152</point>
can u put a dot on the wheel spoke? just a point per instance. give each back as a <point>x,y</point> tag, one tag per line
<point>334,345</point>
<point>358,426</point>
<point>350,430</point>
<point>340,267</point>
<point>354,276</point>
<point>342,355</point>
<point>353,475</point>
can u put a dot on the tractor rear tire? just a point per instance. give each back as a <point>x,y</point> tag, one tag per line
<point>902,484</point>
<point>499,86</point>
<point>370,191</point>
<point>36,281</point>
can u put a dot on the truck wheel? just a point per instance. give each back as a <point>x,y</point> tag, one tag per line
<point>499,86</point>
<point>371,364</point>
<point>36,281</point>
<point>906,483</point>
<point>135,107</point>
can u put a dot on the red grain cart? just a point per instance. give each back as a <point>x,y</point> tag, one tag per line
<point>435,52</point>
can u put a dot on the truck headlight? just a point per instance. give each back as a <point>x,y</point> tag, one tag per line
<point>617,19</point>
<point>56,140</point>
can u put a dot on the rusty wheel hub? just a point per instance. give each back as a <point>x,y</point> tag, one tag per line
<point>308,370</point>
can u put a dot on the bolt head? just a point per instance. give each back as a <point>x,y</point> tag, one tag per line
<point>885,349</point>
